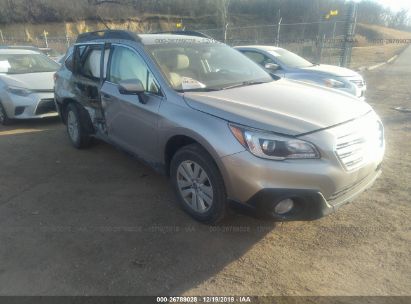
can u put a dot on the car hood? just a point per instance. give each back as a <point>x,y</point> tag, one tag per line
<point>31,81</point>
<point>332,70</point>
<point>282,106</point>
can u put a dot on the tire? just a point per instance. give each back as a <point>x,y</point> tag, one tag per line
<point>198,184</point>
<point>79,126</point>
<point>4,119</point>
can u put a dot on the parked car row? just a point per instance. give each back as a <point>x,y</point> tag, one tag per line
<point>218,124</point>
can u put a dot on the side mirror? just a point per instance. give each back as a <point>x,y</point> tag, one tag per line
<point>131,87</point>
<point>272,66</point>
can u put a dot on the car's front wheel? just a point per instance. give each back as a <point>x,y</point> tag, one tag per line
<point>4,119</point>
<point>78,126</point>
<point>198,184</point>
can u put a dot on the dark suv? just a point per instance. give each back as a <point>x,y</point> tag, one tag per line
<point>219,125</point>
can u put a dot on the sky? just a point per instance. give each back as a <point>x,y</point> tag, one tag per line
<point>396,5</point>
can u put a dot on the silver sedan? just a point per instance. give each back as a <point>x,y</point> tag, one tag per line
<point>283,63</point>
<point>26,85</point>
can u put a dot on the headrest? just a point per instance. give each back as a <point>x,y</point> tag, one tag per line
<point>182,62</point>
<point>173,61</point>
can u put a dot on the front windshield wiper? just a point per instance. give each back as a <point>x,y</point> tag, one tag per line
<point>243,84</point>
<point>198,90</point>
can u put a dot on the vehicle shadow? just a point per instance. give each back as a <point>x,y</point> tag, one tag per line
<point>98,222</point>
<point>31,124</point>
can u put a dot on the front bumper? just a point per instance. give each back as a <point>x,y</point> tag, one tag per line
<point>36,105</point>
<point>318,187</point>
<point>308,204</point>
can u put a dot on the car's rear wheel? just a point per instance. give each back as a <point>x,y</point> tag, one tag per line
<point>198,184</point>
<point>79,128</point>
<point>4,119</point>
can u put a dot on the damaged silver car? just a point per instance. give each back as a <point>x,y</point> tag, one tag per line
<point>218,125</point>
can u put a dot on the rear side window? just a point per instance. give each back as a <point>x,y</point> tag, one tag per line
<point>127,65</point>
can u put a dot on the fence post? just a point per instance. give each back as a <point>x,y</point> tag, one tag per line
<point>349,35</point>
<point>45,38</point>
<point>277,40</point>
<point>278,32</point>
<point>225,32</point>
<point>334,29</point>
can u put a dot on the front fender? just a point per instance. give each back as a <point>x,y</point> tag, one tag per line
<point>211,132</point>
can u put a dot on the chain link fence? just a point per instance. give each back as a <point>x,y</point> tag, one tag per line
<point>325,41</point>
<point>317,41</point>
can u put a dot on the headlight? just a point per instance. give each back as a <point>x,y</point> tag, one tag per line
<point>332,83</point>
<point>271,146</point>
<point>19,91</point>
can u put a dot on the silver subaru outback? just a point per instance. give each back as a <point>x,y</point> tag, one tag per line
<point>218,125</point>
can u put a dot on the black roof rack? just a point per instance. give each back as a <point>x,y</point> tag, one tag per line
<point>108,34</point>
<point>187,33</point>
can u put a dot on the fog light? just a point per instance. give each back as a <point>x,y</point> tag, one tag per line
<point>284,206</point>
<point>19,110</point>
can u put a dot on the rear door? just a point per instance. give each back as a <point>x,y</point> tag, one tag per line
<point>131,120</point>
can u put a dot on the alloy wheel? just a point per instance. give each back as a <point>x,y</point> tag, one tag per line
<point>72,126</point>
<point>195,186</point>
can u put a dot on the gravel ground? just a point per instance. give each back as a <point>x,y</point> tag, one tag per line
<point>97,222</point>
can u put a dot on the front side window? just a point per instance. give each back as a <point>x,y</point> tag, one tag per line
<point>259,58</point>
<point>290,59</point>
<point>26,63</point>
<point>128,65</point>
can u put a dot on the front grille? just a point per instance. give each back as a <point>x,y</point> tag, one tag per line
<point>358,82</point>
<point>46,106</point>
<point>358,141</point>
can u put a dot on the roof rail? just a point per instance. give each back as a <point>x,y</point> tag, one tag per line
<point>187,33</point>
<point>108,34</point>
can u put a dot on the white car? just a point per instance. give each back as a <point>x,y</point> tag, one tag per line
<point>26,85</point>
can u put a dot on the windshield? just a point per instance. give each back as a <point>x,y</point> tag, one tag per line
<point>205,66</point>
<point>26,63</point>
<point>290,59</point>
